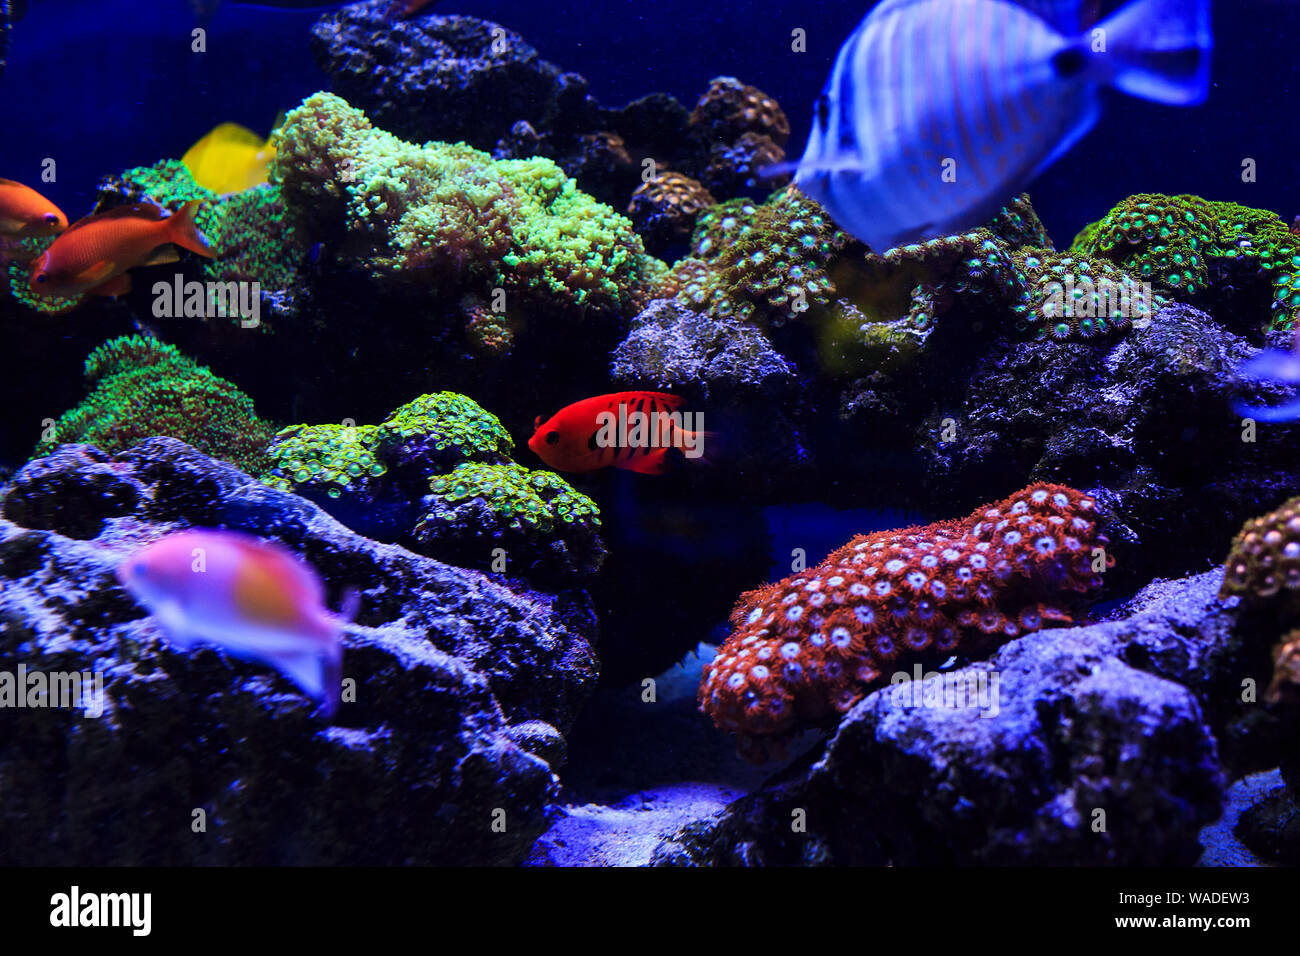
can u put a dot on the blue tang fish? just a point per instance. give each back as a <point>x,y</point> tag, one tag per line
<point>1274,367</point>
<point>937,112</point>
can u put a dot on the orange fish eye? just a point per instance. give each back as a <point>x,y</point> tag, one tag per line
<point>51,218</point>
<point>552,438</point>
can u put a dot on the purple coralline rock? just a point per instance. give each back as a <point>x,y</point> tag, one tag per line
<point>1144,423</point>
<point>1096,745</point>
<point>464,689</point>
<point>671,347</point>
<point>459,78</point>
<point>448,78</point>
<point>728,369</point>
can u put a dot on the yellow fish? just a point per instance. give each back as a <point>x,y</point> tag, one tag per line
<point>230,159</point>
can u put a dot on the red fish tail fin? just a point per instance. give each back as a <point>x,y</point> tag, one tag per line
<point>696,446</point>
<point>687,449</point>
<point>704,441</point>
<point>185,233</point>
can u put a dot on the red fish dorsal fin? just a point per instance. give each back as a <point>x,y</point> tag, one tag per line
<point>140,210</point>
<point>670,403</point>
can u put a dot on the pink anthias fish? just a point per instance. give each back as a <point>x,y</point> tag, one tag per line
<point>250,598</point>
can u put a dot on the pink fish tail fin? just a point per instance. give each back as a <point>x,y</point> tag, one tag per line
<point>332,659</point>
<point>350,606</point>
<point>184,231</point>
<point>331,682</point>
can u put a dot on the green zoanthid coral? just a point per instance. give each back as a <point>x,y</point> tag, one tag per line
<point>448,457</point>
<point>536,500</point>
<point>332,456</point>
<point>453,219</point>
<point>448,426</point>
<point>145,388</point>
<point>761,262</point>
<point>1184,245</point>
<point>433,433</point>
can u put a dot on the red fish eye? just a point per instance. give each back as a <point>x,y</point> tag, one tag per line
<point>552,438</point>
<point>40,277</point>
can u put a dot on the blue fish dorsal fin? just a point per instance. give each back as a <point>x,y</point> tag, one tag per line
<point>1067,17</point>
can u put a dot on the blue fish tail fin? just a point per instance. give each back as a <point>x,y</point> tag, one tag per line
<point>777,169</point>
<point>1158,50</point>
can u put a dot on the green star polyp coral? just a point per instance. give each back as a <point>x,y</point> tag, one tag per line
<point>453,219</point>
<point>167,183</point>
<point>146,388</point>
<point>16,275</point>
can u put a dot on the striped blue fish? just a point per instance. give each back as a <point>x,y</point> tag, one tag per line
<point>937,112</point>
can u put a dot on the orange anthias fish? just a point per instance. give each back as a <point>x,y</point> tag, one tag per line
<point>632,430</point>
<point>26,214</point>
<point>95,253</point>
<point>250,598</point>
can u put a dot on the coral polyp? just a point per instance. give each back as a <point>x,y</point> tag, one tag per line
<point>1264,563</point>
<point>336,457</point>
<point>764,262</point>
<point>812,645</point>
<point>451,219</point>
<point>664,208</point>
<point>1187,246</point>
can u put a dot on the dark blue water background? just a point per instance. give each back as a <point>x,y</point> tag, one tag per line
<point>103,85</point>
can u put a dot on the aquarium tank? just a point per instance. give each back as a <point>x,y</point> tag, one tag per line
<point>485,433</point>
